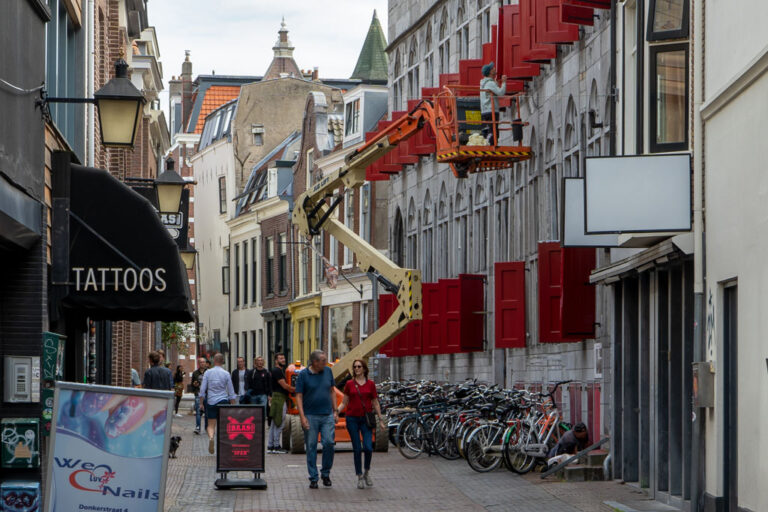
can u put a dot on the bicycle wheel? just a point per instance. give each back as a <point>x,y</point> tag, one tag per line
<point>518,460</point>
<point>444,440</point>
<point>478,447</point>
<point>411,438</point>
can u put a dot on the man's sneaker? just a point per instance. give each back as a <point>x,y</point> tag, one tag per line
<point>280,450</point>
<point>178,415</point>
<point>197,430</point>
<point>327,481</point>
<point>367,478</point>
<point>210,446</point>
<point>313,484</point>
<point>360,482</point>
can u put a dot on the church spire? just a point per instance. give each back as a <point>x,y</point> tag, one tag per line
<point>283,64</point>
<point>372,64</point>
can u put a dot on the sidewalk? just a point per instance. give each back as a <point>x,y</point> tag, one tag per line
<point>427,483</point>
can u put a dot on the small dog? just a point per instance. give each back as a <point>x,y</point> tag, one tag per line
<point>175,441</point>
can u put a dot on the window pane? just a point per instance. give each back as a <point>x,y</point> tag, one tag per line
<point>668,15</point>
<point>340,331</point>
<point>670,96</point>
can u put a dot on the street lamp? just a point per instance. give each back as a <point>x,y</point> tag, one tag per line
<point>169,186</point>
<point>119,105</point>
<point>188,257</point>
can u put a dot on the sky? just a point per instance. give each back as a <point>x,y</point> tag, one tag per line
<point>235,37</point>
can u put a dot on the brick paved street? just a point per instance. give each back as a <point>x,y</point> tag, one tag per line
<point>400,484</point>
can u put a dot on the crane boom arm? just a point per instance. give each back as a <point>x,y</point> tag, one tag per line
<point>313,213</point>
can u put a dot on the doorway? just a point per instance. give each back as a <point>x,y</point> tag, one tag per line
<point>730,394</point>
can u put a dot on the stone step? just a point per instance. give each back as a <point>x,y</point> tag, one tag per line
<point>596,457</point>
<point>583,473</point>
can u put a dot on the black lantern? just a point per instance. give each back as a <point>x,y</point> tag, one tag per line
<point>169,186</point>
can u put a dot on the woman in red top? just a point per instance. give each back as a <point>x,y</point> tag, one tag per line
<point>360,397</point>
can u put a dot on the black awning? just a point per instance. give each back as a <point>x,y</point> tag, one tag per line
<point>123,263</point>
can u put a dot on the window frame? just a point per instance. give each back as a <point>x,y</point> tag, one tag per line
<point>282,265</point>
<point>237,275</point>
<point>666,147</point>
<point>222,195</point>
<point>681,33</point>
<point>254,266</point>
<point>352,118</point>
<point>269,267</point>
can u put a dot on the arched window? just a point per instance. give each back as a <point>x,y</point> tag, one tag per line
<point>426,239</point>
<point>462,30</point>
<point>480,228</point>
<point>414,88</point>
<point>429,59</point>
<point>594,116</point>
<point>398,240</point>
<point>483,22</point>
<point>501,207</point>
<point>461,228</point>
<point>444,40</point>
<point>397,89</point>
<point>443,213</point>
<point>412,235</point>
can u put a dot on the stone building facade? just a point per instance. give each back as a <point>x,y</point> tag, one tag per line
<point>446,226</point>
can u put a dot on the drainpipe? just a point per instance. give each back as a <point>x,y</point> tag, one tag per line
<point>612,140</point>
<point>90,76</point>
<point>699,260</point>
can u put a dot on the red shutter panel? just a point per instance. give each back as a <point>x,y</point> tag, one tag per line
<point>489,49</point>
<point>549,25</point>
<point>388,163</point>
<point>428,92</point>
<point>470,74</point>
<point>509,59</point>
<point>403,154</point>
<point>578,295</point>
<point>387,304</point>
<point>509,318</point>
<point>472,328</point>
<point>431,331</point>
<point>596,4</point>
<point>412,343</point>
<point>532,50</point>
<point>449,79</point>
<point>423,143</point>
<point>449,288</point>
<point>373,171</point>
<point>572,12</point>
<point>550,289</point>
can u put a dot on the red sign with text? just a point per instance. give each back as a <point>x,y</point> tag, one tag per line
<point>240,438</point>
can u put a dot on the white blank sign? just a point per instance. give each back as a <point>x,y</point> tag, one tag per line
<point>573,219</point>
<point>638,194</point>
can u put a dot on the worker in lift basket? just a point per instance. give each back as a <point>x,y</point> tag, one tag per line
<point>490,87</point>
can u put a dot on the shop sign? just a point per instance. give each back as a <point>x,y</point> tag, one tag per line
<point>100,279</point>
<point>109,448</point>
<point>240,437</point>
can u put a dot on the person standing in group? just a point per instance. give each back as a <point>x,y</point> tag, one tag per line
<point>277,406</point>
<point>360,401</point>
<point>178,388</point>
<point>316,401</point>
<point>216,390</point>
<point>197,380</point>
<point>241,380</point>
<point>489,88</point>
<point>260,384</point>
<point>157,376</point>
<point>135,379</point>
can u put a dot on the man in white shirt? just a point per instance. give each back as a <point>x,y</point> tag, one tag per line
<point>241,380</point>
<point>215,390</point>
<point>488,89</point>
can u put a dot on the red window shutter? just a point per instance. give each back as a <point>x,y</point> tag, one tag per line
<point>449,288</point>
<point>509,318</point>
<point>403,153</point>
<point>470,73</point>
<point>549,25</point>
<point>550,289</point>
<point>413,338</point>
<point>578,295</point>
<point>595,4</point>
<point>423,143</point>
<point>388,163</point>
<point>373,171</point>
<point>509,59</point>
<point>428,92</point>
<point>387,305</point>
<point>472,328</point>
<point>532,50</point>
<point>449,79</point>
<point>489,49</point>
<point>432,307</point>
<point>576,13</point>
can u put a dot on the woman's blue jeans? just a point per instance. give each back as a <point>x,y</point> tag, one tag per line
<point>357,427</point>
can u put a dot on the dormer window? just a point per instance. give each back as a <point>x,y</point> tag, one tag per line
<point>352,118</point>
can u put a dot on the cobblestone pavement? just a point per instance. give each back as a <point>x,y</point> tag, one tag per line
<point>427,483</point>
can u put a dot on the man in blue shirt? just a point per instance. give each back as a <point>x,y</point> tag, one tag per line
<point>215,390</point>
<point>316,400</point>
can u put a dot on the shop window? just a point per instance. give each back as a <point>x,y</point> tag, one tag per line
<point>669,97</point>
<point>340,332</point>
<point>667,19</point>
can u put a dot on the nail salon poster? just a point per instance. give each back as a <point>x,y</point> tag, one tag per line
<point>109,448</point>
<point>240,436</point>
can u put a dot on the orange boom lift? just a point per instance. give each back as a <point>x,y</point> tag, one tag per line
<point>312,211</point>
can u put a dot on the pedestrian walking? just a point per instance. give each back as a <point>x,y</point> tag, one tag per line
<point>135,379</point>
<point>280,389</point>
<point>260,387</point>
<point>241,380</point>
<point>490,87</point>
<point>157,376</point>
<point>178,388</point>
<point>197,380</point>
<point>316,400</point>
<point>359,404</point>
<point>216,390</point>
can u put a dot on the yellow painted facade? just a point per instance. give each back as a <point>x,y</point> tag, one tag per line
<point>305,316</point>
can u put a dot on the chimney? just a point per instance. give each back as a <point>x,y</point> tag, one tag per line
<point>315,73</point>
